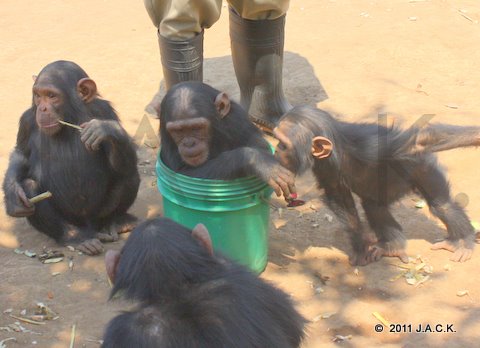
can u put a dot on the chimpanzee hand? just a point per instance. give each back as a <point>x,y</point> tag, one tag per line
<point>97,131</point>
<point>279,178</point>
<point>16,201</point>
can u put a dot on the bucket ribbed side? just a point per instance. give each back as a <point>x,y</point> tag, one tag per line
<point>235,212</point>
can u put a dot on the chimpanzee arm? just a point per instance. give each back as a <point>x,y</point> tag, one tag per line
<point>441,137</point>
<point>245,161</point>
<point>114,140</point>
<point>16,201</point>
<point>340,200</point>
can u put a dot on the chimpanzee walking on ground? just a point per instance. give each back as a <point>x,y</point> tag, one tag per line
<point>380,165</point>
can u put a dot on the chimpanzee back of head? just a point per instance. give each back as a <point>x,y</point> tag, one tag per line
<point>190,298</point>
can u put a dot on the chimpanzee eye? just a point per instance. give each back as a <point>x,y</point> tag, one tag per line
<point>281,146</point>
<point>51,95</point>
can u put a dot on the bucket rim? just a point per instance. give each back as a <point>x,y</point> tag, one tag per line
<point>217,182</point>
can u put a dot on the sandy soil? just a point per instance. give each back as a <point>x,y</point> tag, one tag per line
<point>354,58</point>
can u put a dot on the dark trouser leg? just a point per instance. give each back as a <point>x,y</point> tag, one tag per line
<point>257,54</point>
<point>181,60</point>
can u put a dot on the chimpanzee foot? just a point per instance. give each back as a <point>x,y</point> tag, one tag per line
<point>389,250</point>
<point>361,256</point>
<point>462,250</point>
<point>121,224</point>
<point>359,259</point>
<point>125,223</point>
<point>90,247</point>
<point>107,236</point>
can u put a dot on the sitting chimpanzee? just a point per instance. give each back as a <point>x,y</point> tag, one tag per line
<point>189,297</point>
<point>379,164</point>
<point>206,135</point>
<point>91,171</point>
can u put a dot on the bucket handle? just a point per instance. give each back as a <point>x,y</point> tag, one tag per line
<point>267,201</point>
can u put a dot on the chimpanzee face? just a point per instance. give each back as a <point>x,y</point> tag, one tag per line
<point>192,137</point>
<point>285,151</point>
<point>49,101</point>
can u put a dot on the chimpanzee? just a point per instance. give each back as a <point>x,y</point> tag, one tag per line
<point>379,164</point>
<point>189,297</point>
<point>91,172</point>
<point>206,135</point>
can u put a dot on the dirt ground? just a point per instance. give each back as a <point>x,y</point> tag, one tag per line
<point>354,58</point>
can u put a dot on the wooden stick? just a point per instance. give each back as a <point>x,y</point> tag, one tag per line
<point>384,321</point>
<point>40,197</point>
<point>25,320</point>
<point>72,336</point>
<point>70,125</point>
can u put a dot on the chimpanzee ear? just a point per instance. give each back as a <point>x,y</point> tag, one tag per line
<point>222,103</point>
<point>112,257</point>
<point>321,147</point>
<point>200,233</point>
<point>87,89</point>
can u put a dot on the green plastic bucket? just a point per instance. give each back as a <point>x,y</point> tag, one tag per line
<point>235,212</point>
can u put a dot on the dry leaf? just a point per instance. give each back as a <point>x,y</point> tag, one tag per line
<point>54,260</point>
<point>328,315</point>
<point>340,338</point>
<point>328,217</point>
<point>278,223</point>
<point>451,106</point>
<point>2,342</point>
<point>411,281</point>
<point>462,293</point>
<point>420,204</point>
<point>50,254</point>
<point>29,253</point>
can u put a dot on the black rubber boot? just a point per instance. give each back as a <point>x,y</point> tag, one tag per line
<point>257,54</point>
<point>181,60</point>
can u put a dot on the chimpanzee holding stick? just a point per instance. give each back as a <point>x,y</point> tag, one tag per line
<point>71,144</point>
